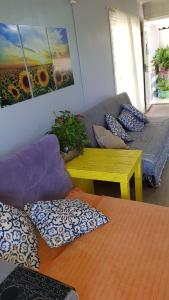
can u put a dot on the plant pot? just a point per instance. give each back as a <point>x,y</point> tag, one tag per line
<point>70,155</point>
<point>163,94</point>
<point>164,73</point>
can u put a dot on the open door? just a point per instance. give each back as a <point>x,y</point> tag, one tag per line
<point>156,42</point>
<point>150,44</point>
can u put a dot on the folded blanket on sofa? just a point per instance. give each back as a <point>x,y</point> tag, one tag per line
<point>154,141</point>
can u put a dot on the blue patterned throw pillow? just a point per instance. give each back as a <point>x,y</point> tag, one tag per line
<point>61,221</point>
<point>116,128</point>
<point>129,121</point>
<point>138,114</point>
<point>18,243</point>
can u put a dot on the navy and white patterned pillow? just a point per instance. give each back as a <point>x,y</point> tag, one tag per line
<point>116,128</point>
<point>18,243</point>
<point>129,121</point>
<point>61,221</point>
<point>138,114</point>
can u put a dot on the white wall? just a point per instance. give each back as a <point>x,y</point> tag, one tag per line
<point>93,34</point>
<point>24,122</point>
<point>164,37</point>
<point>154,41</point>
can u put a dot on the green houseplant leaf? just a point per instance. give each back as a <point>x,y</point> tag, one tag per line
<point>70,131</point>
<point>162,84</point>
<point>161,58</point>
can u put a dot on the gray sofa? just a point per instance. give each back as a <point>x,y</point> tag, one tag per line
<point>153,139</point>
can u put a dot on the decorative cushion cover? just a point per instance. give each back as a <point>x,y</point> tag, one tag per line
<point>129,121</point>
<point>116,128</point>
<point>138,114</point>
<point>61,221</point>
<point>18,243</point>
<point>106,139</point>
<point>36,173</point>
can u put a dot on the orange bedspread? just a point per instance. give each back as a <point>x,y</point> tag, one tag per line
<point>126,259</point>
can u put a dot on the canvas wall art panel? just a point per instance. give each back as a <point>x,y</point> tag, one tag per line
<point>14,83</point>
<point>59,47</point>
<point>38,58</point>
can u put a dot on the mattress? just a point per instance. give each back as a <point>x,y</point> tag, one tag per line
<point>126,259</point>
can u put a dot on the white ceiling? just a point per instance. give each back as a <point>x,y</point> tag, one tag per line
<point>156,1</point>
<point>155,9</point>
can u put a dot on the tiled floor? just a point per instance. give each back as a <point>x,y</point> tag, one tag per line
<point>158,195</point>
<point>157,100</point>
<point>159,110</point>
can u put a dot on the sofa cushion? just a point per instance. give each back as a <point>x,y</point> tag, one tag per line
<point>113,105</point>
<point>123,260</point>
<point>34,173</point>
<point>138,114</point>
<point>18,243</point>
<point>62,221</point>
<point>106,139</point>
<point>95,115</point>
<point>129,121</point>
<point>116,128</point>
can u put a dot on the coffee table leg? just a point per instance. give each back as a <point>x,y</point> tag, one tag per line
<point>125,189</point>
<point>138,182</point>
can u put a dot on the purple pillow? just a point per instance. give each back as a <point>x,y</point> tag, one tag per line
<point>36,173</point>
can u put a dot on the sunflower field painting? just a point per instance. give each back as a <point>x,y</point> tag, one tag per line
<point>38,59</point>
<point>14,82</point>
<point>59,47</point>
<point>34,60</point>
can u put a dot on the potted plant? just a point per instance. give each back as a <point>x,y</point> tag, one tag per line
<point>163,88</point>
<point>161,59</point>
<point>70,131</point>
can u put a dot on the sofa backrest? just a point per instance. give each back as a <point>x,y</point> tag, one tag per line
<point>96,114</point>
<point>36,173</point>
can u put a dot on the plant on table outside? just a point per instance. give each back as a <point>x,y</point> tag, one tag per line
<point>70,131</point>
<point>162,84</point>
<point>162,88</point>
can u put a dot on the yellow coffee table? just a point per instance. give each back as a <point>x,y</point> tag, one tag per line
<point>109,165</point>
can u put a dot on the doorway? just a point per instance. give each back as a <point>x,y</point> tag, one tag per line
<point>156,61</point>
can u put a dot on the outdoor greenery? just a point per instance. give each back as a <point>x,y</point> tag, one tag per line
<point>161,58</point>
<point>70,131</point>
<point>162,84</point>
<point>161,63</point>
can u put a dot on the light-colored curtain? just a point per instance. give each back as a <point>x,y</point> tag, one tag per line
<point>127,56</point>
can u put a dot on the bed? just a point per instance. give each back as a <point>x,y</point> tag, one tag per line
<point>128,258</point>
